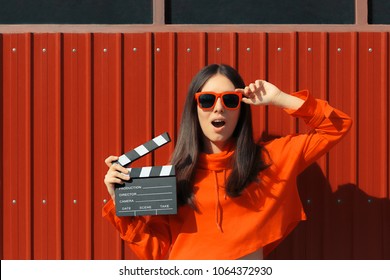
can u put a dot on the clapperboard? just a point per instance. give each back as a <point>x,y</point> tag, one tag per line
<point>151,190</point>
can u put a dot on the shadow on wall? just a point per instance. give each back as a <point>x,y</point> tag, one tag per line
<point>345,224</point>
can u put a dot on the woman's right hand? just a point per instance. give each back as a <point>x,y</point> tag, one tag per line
<point>116,174</point>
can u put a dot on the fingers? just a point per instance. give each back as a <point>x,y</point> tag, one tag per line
<point>119,168</point>
<point>110,160</point>
<point>253,94</point>
<point>115,178</point>
<point>248,91</point>
<point>248,101</point>
<point>115,167</point>
<point>260,92</point>
<point>248,95</point>
<point>117,174</point>
<point>252,89</point>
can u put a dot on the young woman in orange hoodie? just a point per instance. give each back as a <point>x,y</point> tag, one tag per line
<point>237,198</point>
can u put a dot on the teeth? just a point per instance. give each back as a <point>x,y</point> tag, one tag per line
<point>218,123</point>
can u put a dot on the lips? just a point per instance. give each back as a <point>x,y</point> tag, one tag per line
<point>218,123</point>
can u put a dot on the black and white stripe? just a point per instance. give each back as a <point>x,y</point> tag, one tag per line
<point>152,171</point>
<point>144,149</point>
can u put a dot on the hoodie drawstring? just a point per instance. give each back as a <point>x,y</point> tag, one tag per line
<point>218,207</point>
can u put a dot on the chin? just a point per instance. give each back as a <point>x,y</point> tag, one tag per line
<point>218,138</point>
<point>219,141</point>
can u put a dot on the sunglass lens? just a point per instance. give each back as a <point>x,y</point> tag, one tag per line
<point>207,100</point>
<point>231,100</point>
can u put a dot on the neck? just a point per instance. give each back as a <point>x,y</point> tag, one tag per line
<point>210,147</point>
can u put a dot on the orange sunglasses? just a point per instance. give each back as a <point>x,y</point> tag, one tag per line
<point>230,99</point>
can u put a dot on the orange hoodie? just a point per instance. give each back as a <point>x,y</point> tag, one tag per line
<point>265,213</point>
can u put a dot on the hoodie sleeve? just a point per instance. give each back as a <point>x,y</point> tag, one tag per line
<point>327,127</point>
<point>147,236</point>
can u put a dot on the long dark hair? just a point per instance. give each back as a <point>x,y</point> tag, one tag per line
<point>248,160</point>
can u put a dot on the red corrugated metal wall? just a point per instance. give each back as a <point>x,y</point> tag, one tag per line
<point>70,100</point>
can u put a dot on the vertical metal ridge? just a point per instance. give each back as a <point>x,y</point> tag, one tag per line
<point>108,109</point>
<point>281,72</point>
<point>164,106</point>
<point>372,169</point>
<point>251,64</point>
<point>88,141</point>
<point>46,143</point>
<point>137,115</point>
<point>310,75</point>
<point>17,146</point>
<point>77,146</point>
<point>2,200</point>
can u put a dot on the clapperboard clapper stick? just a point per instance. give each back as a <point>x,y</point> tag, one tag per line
<point>151,190</point>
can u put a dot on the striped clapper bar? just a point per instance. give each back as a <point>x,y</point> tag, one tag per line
<point>151,190</point>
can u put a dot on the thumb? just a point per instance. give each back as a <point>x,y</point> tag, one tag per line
<point>247,101</point>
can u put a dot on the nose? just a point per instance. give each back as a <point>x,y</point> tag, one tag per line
<point>218,105</point>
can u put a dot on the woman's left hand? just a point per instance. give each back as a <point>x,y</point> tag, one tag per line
<point>260,93</point>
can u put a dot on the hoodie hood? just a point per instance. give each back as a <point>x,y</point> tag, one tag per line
<point>217,164</point>
<point>219,161</point>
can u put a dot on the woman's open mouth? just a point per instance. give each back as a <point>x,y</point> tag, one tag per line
<point>218,123</point>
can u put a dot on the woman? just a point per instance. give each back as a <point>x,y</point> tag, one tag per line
<point>238,199</point>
